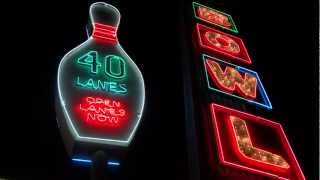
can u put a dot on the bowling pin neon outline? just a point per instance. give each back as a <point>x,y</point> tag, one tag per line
<point>74,132</point>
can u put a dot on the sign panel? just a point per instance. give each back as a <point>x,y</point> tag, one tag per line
<point>222,44</point>
<point>235,81</point>
<point>213,16</point>
<point>100,89</point>
<point>248,146</point>
<point>253,144</point>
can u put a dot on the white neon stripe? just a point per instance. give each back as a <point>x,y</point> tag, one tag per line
<point>113,163</point>
<point>89,161</point>
<point>81,160</point>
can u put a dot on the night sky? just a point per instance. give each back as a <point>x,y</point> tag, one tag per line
<point>281,37</point>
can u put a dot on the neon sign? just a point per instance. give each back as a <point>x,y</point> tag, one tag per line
<point>223,44</point>
<point>231,80</point>
<point>114,70</point>
<point>108,86</point>
<point>270,155</point>
<point>101,91</point>
<point>240,142</point>
<point>112,61</point>
<point>90,59</point>
<point>100,112</point>
<point>214,17</point>
<point>235,81</point>
<point>248,152</point>
<point>115,66</point>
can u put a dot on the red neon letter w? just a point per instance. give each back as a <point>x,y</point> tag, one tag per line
<point>230,80</point>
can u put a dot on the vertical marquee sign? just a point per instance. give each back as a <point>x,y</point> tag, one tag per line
<point>246,146</point>
<point>100,89</point>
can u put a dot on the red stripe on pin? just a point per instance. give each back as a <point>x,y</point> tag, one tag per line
<point>104,33</point>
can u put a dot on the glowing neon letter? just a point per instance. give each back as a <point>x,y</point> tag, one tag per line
<point>103,112</point>
<point>115,66</point>
<point>213,16</point>
<point>231,80</point>
<point>108,86</point>
<point>222,42</point>
<point>241,134</point>
<point>226,45</point>
<point>90,59</point>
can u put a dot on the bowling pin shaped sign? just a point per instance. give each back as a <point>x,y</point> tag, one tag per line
<point>101,91</point>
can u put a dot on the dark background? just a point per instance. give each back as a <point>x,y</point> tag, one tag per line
<point>281,37</point>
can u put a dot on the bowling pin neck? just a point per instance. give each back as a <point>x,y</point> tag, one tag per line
<point>105,19</point>
<point>104,33</point>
